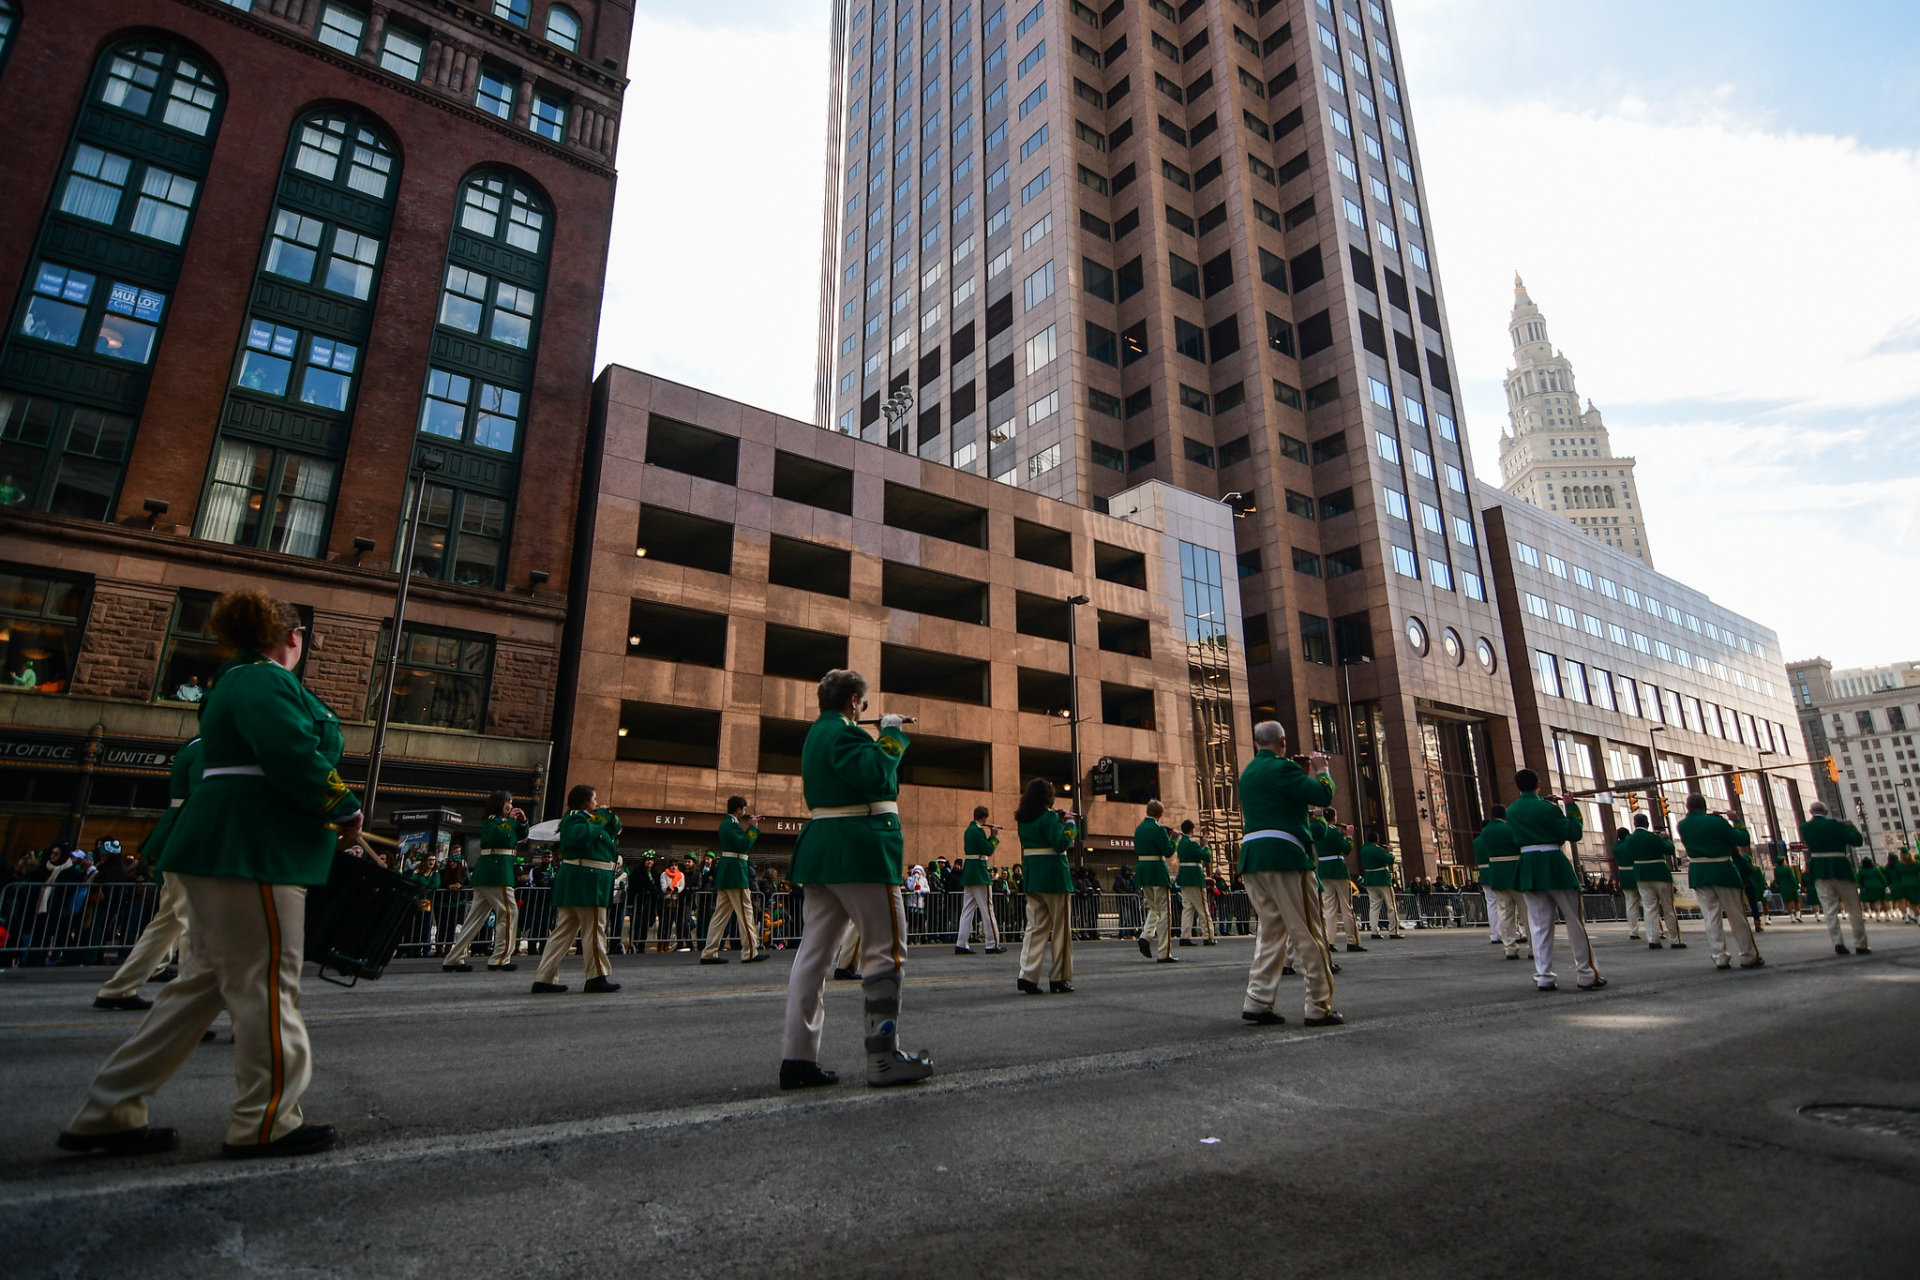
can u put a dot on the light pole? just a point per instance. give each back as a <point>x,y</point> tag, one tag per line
<point>1653,766</point>
<point>895,409</point>
<point>1073,696</point>
<point>1353,741</point>
<point>429,462</point>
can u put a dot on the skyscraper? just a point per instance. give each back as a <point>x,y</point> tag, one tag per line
<point>1556,455</point>
<point>1141,242</point>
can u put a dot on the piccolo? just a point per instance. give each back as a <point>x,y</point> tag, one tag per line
<point>876,720</point>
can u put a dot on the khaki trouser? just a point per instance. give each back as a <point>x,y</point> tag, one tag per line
<point>1157,929</point>
<point>167,929</point>
<point>1723,907</point>
<point>1383,905</point>
<point>244,946</point>
<point>1513,920</point>
<point>1541,906</point>
<point>589,924</point>
<point>846,954</point>
<point>497,901</point>
<point>1835,894</point>
<point>1283,902</point>
<point>1635,915</point>
<point>874,913</point>
<point>977,905</point>
<point>732,904</point>
<point>1336,912</point>
<point>1047,949</point>
<point>1193,900</point>
<point>1663,922</point>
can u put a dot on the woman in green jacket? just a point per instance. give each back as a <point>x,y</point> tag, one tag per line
<point>1045,836</point>
<point>258,830</point>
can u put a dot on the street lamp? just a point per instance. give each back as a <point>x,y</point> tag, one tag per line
<point>1353,738</point>
<point>1653,765</point>
<point>896,408</point>
<point>1073,695</point>
<point>429,462</point>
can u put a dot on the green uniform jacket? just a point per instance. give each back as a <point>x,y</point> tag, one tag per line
<point>1193,862</point>
<point>1497,855</point>
<point>732,869</point>
<point>587,837</point>
<point>275,825</point>
<point>499,836</point>
<point>1786,883</point>
<point>979,846</point>
<point>1827,844</point>
<point>1650,851</point>
<point>841,766</point>
<point>1534,821</point>
<point>1152,846</point>
<point>1330,849</point>
<point>1623,864</point>
<point>1752,878</point>
<point>1873,883</point>
<point>1376,865</point>
<point>1046,872</point>
<point>1903,881</point>
<point>1275,795</point>
<point>1710,841</point>
<point>180,784</point>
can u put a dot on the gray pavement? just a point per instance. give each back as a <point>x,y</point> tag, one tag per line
<point>1458,1125</point>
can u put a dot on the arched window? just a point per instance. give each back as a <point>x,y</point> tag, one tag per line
<point>87,326</point>
<point>296,372</point>
<point>474,407</point>
<point>514,11</point>
<point>563,28</point>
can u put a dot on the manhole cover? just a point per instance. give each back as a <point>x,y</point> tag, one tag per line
<point>1888,1122</point>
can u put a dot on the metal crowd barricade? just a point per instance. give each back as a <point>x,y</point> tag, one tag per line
<point>74,923</point>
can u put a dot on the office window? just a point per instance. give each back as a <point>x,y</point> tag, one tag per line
<point>494,94</point>
<point>441,678</point>
<point>327,139</point>
<point>269,498</point>
<point>1405,563</point>
<point>342,28</point>
<point>458,407</point>
<point>191,655</point>
<point>1549,670</point>
<point>462,536</point>
<point>41,617</point>
<point>548,117</point>
<point>1039,286</point>
<point>563,28</point>
<point>401,51</point>
<point>514,11</point>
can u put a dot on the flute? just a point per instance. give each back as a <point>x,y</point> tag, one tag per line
<point>903,720</point>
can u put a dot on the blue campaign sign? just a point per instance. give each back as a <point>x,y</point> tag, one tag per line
<point>123,298</point>
<point>149,305</point>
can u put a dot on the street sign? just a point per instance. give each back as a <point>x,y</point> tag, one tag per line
<point>1633,784</point>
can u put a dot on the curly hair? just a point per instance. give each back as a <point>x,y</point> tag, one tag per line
<point>252,621</point>
<point>1034,801</point>
<point>838,685</point>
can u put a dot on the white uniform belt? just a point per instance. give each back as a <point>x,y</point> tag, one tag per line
<point>856,810</point>
<point>1272,834</point>
<point>591,866</point>
<point>1699,860</point>
<point>976,857</point>
<point>235,771</point>
<point>1652,862</point>
<point>743,857</point>
<point>175,804</point>
<point>1512,857</point>
<point>1061,852</point>
<point>1539,848</point>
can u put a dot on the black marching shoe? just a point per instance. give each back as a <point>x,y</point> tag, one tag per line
<point>1354,946</point>
<point>996,951</point>
<point>167,974</point>
<point>757,957</point>
<point>1327,1019</point>
<point>508,967</point>
<point>1595,985</point>
<point>713,959</point>
<point>1146,949</point>
<point>1676,946</point>
<point>1168,960</point>
<point>1186,942</point>
<point>121,1004</point>
<point>796,1073</point>
<point>846,975</point>
<point>1653,946</point>
<point>304,1141</point>
<point>1207,943</point>
<point>1262,1017</point>
<point>963,951</point>
<point>600,987</point>
<point>1863,950</point>
<point>1059,988</point>
<point>456,968</point>
<point>1287,971</point>
<point>548,988</point>
<point>1333,966</point>
<point>143,1141</point>
<point>1026,988</point>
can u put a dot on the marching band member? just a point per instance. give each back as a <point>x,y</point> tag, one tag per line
<point>1629,883</point>
<point>1786,883</point>
<point>1546,877</point>
<point>850,856</point>
<point>1499,858</point>
<point>1717,882</point>
<point>1153,851</point>
<point>168,927</point>
<point>976,886</point>
<point>582,892</point>
<point>1330,844</point>
<point>500,834</point>
<point>1276,865</point>
<point>1653,871</point>
<point>1831,873</point>
<point>260,828</point>
<point>733,885</point>
<point>1194,858</point>
<point>1045,836</point>
<point>1376,877</point>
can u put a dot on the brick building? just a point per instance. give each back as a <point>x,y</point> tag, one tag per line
<point>262,258</point>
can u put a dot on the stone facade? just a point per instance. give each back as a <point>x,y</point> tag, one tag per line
<point>1865,718</point>
<point>1555,454</point>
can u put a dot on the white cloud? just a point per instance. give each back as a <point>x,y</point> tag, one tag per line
<point>714,273</point>
<point>1738,302</point>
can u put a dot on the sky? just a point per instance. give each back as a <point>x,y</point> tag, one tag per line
<point>1715,203</point>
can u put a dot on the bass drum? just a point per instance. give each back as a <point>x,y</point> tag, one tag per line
<point>354,923</point>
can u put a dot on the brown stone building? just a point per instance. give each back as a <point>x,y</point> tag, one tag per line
<point>729,557</point>
<point>262,257</point>
<point>1188,242</point>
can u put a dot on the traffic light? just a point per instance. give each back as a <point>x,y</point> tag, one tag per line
<point>1833,770</point>
<point>1633,802</point>
<point>1666,810</point>
<point>1738,789</point>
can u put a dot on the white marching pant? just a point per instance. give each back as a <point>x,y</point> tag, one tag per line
<point>1540,911</point>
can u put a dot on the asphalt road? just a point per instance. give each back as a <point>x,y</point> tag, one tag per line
<point>1459,1125</point>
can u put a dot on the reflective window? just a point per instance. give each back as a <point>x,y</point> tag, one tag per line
<point>563,28</point>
